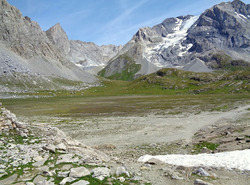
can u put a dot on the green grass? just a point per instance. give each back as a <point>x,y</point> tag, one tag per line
<point>225,62</point>
<point>126,73</point>
<point>87,106</point>
<point>173,81</point>
<point>198,147</point>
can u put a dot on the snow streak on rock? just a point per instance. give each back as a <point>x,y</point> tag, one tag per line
<point>173,39</point>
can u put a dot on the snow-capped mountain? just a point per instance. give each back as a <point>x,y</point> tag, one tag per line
<point>189,42</point>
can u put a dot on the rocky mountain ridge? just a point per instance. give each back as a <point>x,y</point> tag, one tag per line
<point>30,57</point>
<point>84,54</point>
<point>190,42</point>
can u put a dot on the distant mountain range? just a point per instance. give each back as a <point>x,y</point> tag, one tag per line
<point>193,43</point>
<point>202,43</point>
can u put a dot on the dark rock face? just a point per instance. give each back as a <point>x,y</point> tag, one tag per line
<point>167,26</point>
<point>223,26</point>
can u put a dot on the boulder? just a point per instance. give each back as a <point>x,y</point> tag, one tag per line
<point>50,148</point>
<point>63,174</point>
<point>121,171</point>
<point>79,172</point>
<point>201,172</point>
<point>61,146</point>
<point>81,182</point>
<point>100,173</point>
<point>201,182</point>
<point>67,179</point>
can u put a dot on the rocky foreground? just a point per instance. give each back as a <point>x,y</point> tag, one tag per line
<point>35,154</point>
<point>47,156</point>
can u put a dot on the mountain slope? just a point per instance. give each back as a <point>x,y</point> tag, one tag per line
<point>191,42</point>
<point>25,50</point>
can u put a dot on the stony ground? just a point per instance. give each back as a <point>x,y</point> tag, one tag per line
<point>41,154</point>
<point>45,155</point>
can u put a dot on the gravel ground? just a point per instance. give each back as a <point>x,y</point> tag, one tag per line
<point>127,138</point>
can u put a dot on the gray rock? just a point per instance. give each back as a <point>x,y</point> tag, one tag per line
<point>100,173</point>
<point>9,180</point>
<point>3,174</point>
<point>177,177</point>
<point>66,167</point>
<point>240,138</point>
<point>67,179</point>
<point>20,125</point>
<point>121,171</point>
<point>67,158</point>
<point>121,179</point>
<point>79,172</point>
<point>39,161</point>
<point>201,182</point>
<point>49,173</point>
<point>44,182</point>
<point>39,178</point>
<point>30,183</point>
<point>206,150</point>
<point>23,134</point>
<point>61,146</point>
<point>63,174</point>
<point>201,172</point>
<point>81,182</point>
<point>50,148</point>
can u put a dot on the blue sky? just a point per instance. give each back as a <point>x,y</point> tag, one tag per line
<point>107,21</point>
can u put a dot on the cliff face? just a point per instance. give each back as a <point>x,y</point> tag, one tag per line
<point>224,26</point>
<point>59,38</point>
<point>23,36</point>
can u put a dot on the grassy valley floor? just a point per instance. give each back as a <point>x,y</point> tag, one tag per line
<point>127,127</point>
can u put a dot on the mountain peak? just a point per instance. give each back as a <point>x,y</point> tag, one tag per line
<point>57,36</point>
<point>56,28</point>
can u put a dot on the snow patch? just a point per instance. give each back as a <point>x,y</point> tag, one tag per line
<point>241,16</point>
<point>79,65</point>
<point>229,160</point>
<point>184,49</point>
